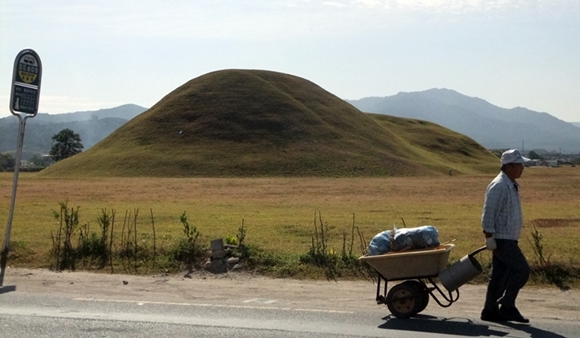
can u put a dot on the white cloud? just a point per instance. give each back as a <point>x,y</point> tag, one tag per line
<point>541,7</point>
<point>369,3</point>
<point>333,4</point>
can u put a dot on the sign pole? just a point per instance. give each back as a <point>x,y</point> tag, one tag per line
<point>6,242</point>
<point>27,75</point>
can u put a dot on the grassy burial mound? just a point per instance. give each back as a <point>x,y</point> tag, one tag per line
<point>436,146</point>
<point>261,123</point>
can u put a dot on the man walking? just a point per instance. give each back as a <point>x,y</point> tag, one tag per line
<point>502,223</point>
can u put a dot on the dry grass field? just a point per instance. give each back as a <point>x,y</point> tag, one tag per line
<point>279,213</point>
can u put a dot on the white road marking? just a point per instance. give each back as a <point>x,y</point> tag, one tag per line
<point>209,305</point>
<point>261,300</point>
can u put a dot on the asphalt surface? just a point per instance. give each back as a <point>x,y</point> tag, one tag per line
<point>40,303</point>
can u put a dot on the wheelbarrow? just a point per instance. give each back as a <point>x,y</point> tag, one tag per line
<point>420,270</point>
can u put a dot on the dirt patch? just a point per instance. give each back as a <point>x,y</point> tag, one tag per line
<point>555,222</point>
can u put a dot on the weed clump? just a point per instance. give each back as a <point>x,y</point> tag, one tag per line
<point>543,270</point>
<point>187,249</point>
<point>133,250</point>
<point>62,248</point>
<point>335,264</point>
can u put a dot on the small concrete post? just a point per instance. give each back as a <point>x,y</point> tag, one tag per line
<point>217,249</point>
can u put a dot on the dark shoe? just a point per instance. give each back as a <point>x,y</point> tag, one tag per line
<point>491,316</point>
<point>512,314</point>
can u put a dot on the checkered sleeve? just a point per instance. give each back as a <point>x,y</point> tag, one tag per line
<point>495,197</point>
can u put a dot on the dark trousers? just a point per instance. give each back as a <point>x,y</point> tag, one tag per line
<point>509,273</point>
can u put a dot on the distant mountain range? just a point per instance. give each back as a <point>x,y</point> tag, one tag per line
<point>491,126</point>
<point>92,127</point>
<point>125,112</point>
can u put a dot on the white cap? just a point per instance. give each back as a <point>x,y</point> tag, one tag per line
<point>513,156</point>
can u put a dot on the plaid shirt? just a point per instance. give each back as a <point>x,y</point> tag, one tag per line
<point>502,212</point>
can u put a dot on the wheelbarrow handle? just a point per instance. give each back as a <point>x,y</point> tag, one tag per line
<point>477,251</point>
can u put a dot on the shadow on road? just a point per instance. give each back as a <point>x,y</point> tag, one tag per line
<point>3,259</point>
<point>461,327</point>
<point>533,331</point>
<point>7,288</point>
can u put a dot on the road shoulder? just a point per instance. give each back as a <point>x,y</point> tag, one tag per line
<point>534,302</point>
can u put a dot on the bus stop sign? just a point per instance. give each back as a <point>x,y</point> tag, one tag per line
<point>26,83</point>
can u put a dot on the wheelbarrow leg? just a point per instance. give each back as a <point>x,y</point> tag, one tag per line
<point>449,299</point>
<point>381,299</point>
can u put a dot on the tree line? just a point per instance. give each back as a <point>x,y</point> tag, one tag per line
<point>37,138</point>
<point>65,143</point>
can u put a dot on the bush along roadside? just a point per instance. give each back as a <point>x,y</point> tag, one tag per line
<point>543,271</point>
<point>128,248</point>
<point>136,248</point>
<point>333,263</point>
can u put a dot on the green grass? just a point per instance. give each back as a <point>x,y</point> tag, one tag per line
<point>279,213</point>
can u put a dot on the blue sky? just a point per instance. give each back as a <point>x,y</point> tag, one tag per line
<point>101,54</point>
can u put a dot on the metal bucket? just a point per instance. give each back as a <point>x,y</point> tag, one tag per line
<point>461,272</point>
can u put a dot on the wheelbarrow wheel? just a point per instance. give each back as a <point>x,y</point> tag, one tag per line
<point>403,300</point>
<point>423,293</point>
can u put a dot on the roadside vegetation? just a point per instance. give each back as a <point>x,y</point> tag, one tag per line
<point>282,227</point>
<point>129,248</point>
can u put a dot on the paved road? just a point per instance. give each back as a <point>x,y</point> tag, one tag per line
<point>86,305</point>
<point>42,315</point>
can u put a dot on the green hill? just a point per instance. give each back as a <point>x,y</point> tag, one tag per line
<point>261,123</point>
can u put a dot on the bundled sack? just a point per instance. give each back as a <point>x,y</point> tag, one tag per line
<point>416,238</point>
<point>381,243</point>
<point>404,239</point>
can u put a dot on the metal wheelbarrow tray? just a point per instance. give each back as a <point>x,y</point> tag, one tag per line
<point>410,264</point>
<point>416,267</point>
